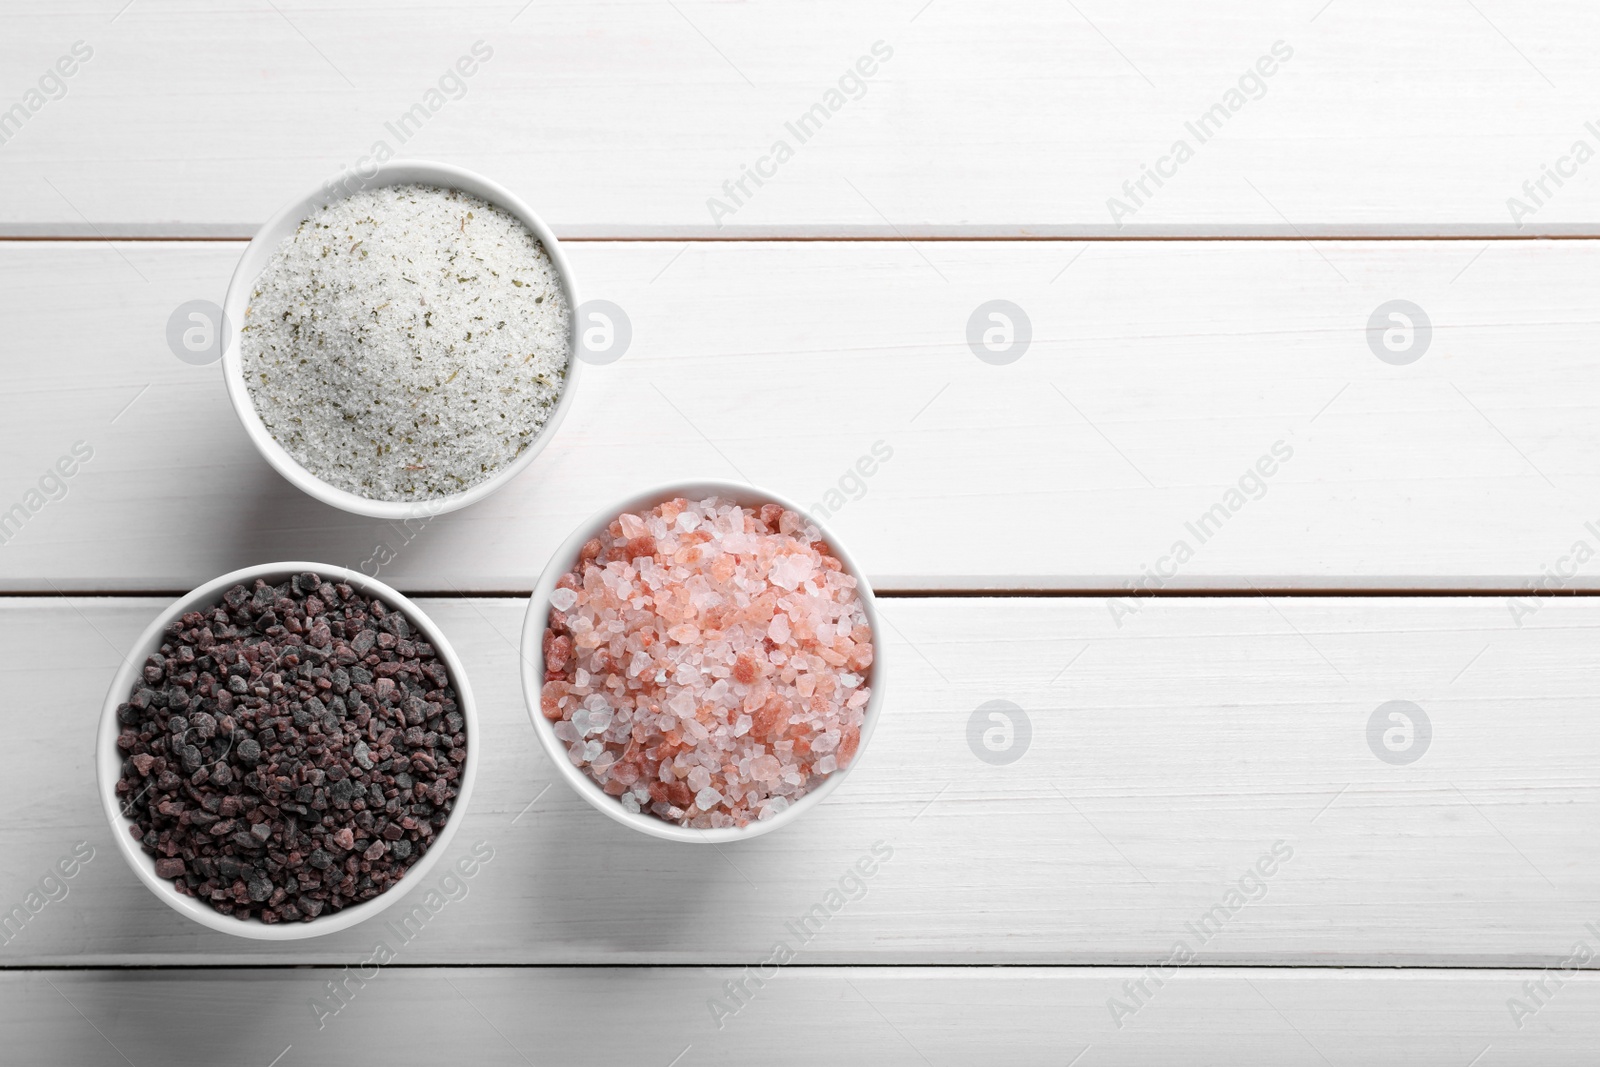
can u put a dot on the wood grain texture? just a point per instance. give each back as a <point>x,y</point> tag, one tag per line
<point>1171,744</point>
<point>893,1016</point>
<point>623,118</point>
<point>1165,759</point>
<point>1160,374</point>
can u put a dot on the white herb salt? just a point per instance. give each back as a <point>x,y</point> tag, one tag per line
<point>407,342</point>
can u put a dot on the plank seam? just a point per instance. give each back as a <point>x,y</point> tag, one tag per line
<point>962,593</point>
<point>1134,965</point>
<point>1347,238</point>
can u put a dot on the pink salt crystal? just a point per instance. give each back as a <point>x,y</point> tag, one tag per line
<point>771,718</point>
<point>549,699</point>
<point>848,745</point>
<point>682,645</point>
<point>557,650</point>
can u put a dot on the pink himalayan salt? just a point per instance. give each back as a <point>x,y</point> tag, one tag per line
<point>706,662</point>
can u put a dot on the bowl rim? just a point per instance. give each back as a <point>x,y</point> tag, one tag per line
<point>532,657</point>
<point>108,760</point>
<point>258,254</point>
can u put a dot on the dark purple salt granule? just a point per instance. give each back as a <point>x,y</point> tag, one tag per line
<point>290,751</point>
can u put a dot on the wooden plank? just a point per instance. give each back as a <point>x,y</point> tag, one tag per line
<point>892,1016</point>
<point>1163,761</point>
<point>626,118</point>
<point>1160,375</point>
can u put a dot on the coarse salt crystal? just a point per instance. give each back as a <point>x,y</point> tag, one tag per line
<point>688,708</point>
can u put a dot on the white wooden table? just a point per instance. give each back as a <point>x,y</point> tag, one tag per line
<point>1438,906</point>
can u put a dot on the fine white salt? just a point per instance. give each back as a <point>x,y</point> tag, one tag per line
<point>407,342</point>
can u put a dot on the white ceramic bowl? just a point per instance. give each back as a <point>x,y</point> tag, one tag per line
<point>109,759</point>
<point>534,625</point>
<point>259,253</point>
